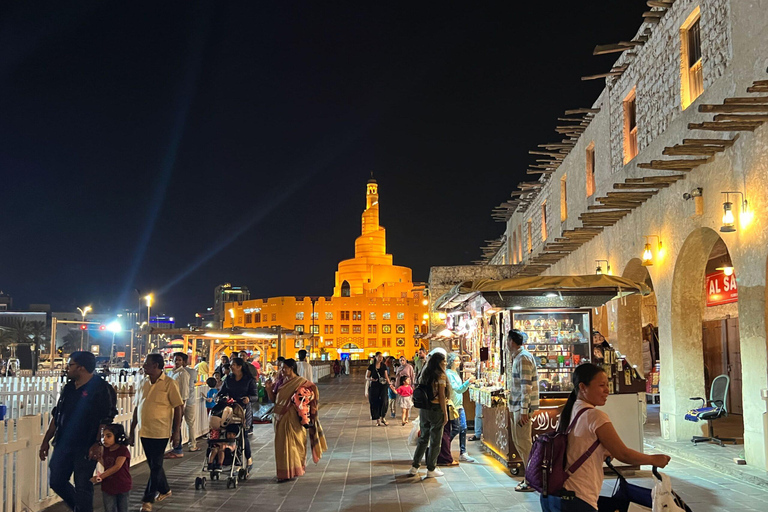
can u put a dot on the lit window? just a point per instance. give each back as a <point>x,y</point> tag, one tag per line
<point>544,221</point>
<point>298,328</point>
<point>415,329</point>
<point>344,329</point>
<point>314,329</point>
<point>274,317</point>
<point>356,329</point>
<point>386,328</point>
<point>401,316</point>
<point>315,315</point>
<point>400,329</point>
<point>563,199</point>
<point>692,78</point>
<point>630,126</point>
<point>590,169</point>
<point>386,316</point>
<point>329,315</point>
<point>530,235</point>
<point>372,315</point>
<point>300,315</point>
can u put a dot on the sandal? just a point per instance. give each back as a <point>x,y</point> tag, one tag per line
<point>473,438</point>
<point>524,487</point>
<point>384,422</point>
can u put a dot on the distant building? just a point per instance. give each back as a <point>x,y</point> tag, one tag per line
<point>6,301</point>
<point>227,293</point>
<point>375,305</point>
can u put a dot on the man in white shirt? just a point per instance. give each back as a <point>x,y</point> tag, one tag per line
<point>304,368</point>
<point>190,407</point>
<point>179,374</point>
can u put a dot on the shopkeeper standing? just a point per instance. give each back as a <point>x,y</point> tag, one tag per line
<point>523,386</point>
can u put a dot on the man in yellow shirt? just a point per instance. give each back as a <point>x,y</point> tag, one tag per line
<point>158,409</point>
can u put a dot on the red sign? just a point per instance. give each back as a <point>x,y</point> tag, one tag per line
<point>721,289</point>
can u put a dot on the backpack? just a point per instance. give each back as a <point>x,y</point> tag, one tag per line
<point>545,470</point>
<point>423,396</point>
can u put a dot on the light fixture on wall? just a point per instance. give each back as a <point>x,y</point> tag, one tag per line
<point>727,270</point>
<point>728,220</point>
<point>647,252</point>
<point>599,269</point>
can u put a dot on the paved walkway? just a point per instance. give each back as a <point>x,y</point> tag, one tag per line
<point>365,470</point>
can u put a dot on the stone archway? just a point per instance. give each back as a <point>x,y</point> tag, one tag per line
<point>682,369</point>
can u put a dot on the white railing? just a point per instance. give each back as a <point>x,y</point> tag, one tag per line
<point>24,478</point>
<point>320,371</point>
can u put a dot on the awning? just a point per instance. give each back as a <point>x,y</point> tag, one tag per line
<point>543,291</point>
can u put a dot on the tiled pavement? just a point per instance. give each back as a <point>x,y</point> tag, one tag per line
<point>365,470</point>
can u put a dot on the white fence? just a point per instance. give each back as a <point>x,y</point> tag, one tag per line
<point>320,372</point>
<point>24,478</point>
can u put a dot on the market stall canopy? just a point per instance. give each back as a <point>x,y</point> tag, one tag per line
<point>543,291</point>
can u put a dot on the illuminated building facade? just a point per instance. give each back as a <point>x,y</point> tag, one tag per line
<point>375,305</point>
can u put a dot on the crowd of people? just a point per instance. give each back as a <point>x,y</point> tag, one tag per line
<point>83,431</point>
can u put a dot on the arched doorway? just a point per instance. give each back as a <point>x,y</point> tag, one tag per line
<point>638,320</point>
<point>683,372</point>
<point>345,289</point>
<point>350,351</point>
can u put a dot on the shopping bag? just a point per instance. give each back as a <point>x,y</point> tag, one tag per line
<point>664,498</point>
<point>413,437</point>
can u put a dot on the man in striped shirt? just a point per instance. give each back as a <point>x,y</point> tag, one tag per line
<point>523,386</point>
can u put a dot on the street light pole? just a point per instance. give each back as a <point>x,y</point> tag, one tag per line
<point>149,323</point>
<point>82,332</point>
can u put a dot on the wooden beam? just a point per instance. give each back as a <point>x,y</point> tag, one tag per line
<point>747,100</point>
<point>602,75</point>
<point>725,126</point>
<point>758,86</point>
<point>734,108</point>
<point>582,111</point>
<point>742,117</point>
<point>553,154</point>
<point>657,3</point>
<point>603,49</point>
<point>710,142</point>
<point>681,150</point>
<point>631,186</point>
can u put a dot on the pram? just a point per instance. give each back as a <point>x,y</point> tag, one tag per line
<point>226,415</point>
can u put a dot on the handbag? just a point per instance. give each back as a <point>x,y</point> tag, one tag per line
<point>453,414</point>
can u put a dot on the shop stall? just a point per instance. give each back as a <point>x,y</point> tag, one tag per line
<point>556,314</point>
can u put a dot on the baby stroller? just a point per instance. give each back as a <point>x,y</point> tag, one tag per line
<point>227,417</point>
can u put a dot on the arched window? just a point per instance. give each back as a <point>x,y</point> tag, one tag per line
<point>345,289</point>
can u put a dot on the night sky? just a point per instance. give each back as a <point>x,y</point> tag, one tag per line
<point>174,146</point>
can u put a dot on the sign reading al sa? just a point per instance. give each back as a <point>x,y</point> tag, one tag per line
<point>721,289</point>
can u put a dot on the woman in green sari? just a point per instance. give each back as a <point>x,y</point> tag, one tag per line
<point>290,435</point>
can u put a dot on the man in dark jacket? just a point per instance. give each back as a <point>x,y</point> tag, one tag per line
<point>85,405</point>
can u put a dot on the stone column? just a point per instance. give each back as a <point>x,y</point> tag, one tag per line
<point>629,330</point>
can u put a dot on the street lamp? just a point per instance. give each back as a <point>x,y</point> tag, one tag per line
<point>83,312</point>
<point>148,298</point>
<point>232,316</point>
<point>114,328</point>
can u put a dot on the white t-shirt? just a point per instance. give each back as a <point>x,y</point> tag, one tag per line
<point>586,481</point>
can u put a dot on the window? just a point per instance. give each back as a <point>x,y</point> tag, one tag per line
<point>400,342</point>
<point>357,329</point>
<point>372,342</point>
<point>519,244</point>
<point>298,328</point>
<point>544,221</point>
<point>514,247</point>
<point>401,315</point>
<point>328,329</point>
<point>386,342</point>
<point>371,329</point>
<point>329,315</point>
<point>415,329</point>
<point>248,318</point>
<point>300,315</point>
<point>563,199</point>
<point>400,328</point>
<point>314,329</point>
<point>345,289</point>
<point>385,316</point>
<point>274,316</point>
<point>692,79</point>
<point>386,328</point>
<point>591,169</point>
<point>345,315</point>
<point>530,235</point>
<point>344,329</point>
<point>372,315</point>
<point>357,315</point>
<point>315,315</point>
<point>630,126</point>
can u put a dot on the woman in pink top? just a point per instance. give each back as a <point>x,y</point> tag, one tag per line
<point>581,490</point>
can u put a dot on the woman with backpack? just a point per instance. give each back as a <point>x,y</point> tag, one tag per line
<point>590,434</point>
<point>434,418</point>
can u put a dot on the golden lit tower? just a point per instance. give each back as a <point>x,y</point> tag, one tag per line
<point>371,272</point>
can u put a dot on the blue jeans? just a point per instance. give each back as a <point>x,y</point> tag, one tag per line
<point>478,420</point>
<point>115,502</point>
<point>460,427</point>
<point>64,461</point>
<point>557,504</point>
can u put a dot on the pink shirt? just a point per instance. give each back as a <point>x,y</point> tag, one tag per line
<point>405,391</point>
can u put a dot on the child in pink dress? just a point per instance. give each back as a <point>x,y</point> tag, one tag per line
<point>405,397</point>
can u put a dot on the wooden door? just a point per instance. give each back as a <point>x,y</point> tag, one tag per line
<point>733,369</point>
<point>714,356</point>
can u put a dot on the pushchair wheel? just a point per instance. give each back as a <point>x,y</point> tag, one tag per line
<point>231,482</point>
<point>242,474</point>
<point>515,470</point>
<point>202,483</point>
<point>197,483</point>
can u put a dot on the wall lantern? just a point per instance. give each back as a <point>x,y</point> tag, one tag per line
<point>599,269</point>
<point>647,254</point>
<point>727,270</point>
<point>728,220</point>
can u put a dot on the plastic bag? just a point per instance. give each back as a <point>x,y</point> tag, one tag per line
<point>664,498</point>
<point>413,437</point>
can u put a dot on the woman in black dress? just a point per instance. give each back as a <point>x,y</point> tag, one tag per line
<point>241,387</point>
<point>377,382</point>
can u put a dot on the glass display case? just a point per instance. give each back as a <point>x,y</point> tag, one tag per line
<point>559,340</point>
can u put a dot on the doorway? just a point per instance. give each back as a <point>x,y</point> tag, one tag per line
<point>722,356</point>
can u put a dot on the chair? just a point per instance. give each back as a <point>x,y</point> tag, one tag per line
<point>715,409</point>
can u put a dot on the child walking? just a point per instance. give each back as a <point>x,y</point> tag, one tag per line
<point>116,478</point>
<point>392,396</point>
<point>405,397</point>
